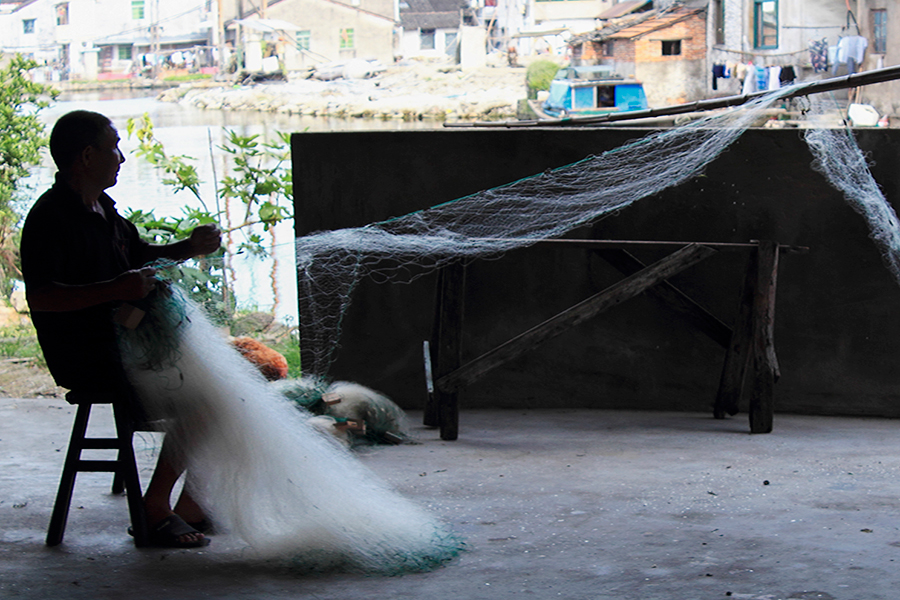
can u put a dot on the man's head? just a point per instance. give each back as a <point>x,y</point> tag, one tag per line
<point>88,141</point>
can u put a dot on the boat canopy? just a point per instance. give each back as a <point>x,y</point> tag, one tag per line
<point>569,97</point>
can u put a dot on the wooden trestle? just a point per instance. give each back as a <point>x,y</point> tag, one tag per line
<point>749,345</point>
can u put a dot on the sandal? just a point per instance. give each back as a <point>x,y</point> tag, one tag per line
<point>166,533</point>
<point>204,526</point>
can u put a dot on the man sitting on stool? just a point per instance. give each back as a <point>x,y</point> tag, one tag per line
<point>80,261</point>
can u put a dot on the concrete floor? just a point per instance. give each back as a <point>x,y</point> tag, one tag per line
<point>553,504</point>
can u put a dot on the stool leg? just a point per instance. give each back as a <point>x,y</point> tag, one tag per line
<point>118,485</point>
<point>57,528</point>
<point>128,473</point>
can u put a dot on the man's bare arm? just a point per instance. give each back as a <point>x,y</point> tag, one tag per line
<point>205,239</point>
<point>58,297</point>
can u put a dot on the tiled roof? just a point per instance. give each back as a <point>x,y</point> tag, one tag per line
<point>639,25</point>
<point>430,14</point>
<point>656,23</point>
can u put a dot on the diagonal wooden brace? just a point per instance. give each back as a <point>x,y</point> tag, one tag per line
<point>587,309</point>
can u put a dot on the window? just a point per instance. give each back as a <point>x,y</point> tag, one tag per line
<point>879,30</point>
<point>137,9</point>
<point>303,40</point>
<point>27,25</point>
<point>426,39</point>
<point>124,52</point>
<point>719,21</point>
<point>450,43</point>
<point>765,23</point>
<point>62,13</point>
<point>347,41</point>
<point>671,47</point>
<point>606,96</point>
<point>609,48</point>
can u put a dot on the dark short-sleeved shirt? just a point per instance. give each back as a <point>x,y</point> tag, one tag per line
<point>65,242</point>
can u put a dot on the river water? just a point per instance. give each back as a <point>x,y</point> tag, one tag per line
<point>267,284</point>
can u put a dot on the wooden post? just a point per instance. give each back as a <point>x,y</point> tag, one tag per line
<point>431,417</point>
<point>447,351</point>
<point>765,369</point>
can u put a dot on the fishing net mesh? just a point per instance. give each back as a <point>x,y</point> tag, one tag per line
<point>330,264</point>
<point>840,160</point>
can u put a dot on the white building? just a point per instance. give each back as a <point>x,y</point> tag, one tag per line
<point>90,39</point>
<point>430,28</point>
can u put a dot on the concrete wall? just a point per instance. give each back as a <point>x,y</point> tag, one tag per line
<point>677,79</point>
<point>799,22</point>
<point>806,20</point>
<point>545,10</point>
<point>373,34</point>
<point>838,324</point>
<point>411,43</point>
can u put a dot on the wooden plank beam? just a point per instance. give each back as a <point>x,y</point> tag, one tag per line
<point>615,294</point>
<point>593,243</point>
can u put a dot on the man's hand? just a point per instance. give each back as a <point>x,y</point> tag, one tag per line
<point>136,284</point>
<point>205,239</point>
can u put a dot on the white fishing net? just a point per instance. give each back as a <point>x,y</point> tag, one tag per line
<point>256,464</point>
<point>842,162</point>
<point>547,205</point>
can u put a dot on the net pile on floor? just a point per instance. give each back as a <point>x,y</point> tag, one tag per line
<point>257,465</point>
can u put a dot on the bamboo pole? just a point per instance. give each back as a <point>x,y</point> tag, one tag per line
<point>801,89</point>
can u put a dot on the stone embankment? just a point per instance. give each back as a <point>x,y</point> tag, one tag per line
<point>411,92</point>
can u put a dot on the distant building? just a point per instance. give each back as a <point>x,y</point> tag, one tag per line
<point>576,15</point>
<point>91,39</point>
<point>695,49</point>
<point>328,31</point>
<point>664,49</point>
<point>430,28</point>
<point>879,23</point>
<point>763,34</point>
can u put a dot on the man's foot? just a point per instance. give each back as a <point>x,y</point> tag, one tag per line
<point>204,526</point>
<point>173,532</point>
<point>193,514</point>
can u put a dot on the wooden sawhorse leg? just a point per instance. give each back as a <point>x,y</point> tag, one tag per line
<point>752,346</point>
<point>445,354</point>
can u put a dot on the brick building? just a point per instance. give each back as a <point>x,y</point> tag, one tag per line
<point>665,49</point>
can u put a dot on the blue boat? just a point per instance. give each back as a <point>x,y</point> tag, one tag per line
<point>585,91</point>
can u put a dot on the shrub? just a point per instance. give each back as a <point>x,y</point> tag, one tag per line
<point>539,75</point>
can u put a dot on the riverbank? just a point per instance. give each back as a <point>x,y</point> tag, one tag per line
<point>406,92</point>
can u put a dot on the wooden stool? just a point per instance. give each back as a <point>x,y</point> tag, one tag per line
<point>124,466</point>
